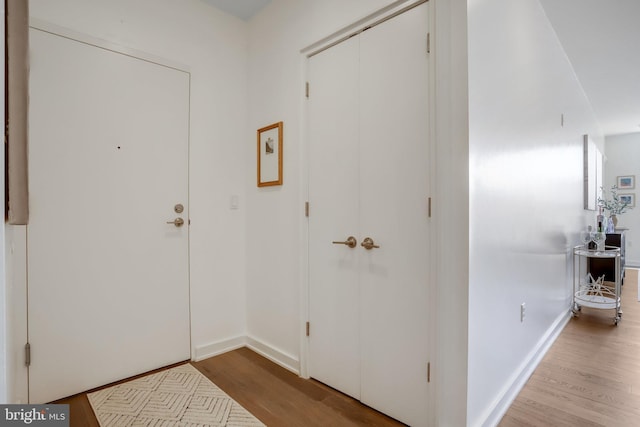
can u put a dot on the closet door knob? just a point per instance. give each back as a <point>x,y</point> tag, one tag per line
<point>368,244</point>
<point>351,242</point>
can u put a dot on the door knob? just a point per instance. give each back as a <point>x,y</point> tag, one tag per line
<point>351,242</point>
<point>368,244</point>
<point>178,222</point>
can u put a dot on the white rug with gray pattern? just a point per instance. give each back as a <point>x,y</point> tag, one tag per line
<point>179,396</point>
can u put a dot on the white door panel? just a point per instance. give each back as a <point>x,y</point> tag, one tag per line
<point>369,177</point>
<point>394,189</point>
<point>333,146</point>
<point>108,278</point>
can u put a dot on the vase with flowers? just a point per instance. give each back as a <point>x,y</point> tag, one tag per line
<point>614,205</point>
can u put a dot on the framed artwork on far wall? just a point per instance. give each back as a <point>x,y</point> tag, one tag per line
<point>270,155</point>
<point>592,158</point>
<point>629,199</point>
<point>626,182</point>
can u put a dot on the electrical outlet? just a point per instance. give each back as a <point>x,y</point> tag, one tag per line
<point>523,308</point>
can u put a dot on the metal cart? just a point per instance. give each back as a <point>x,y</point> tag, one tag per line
<point>594,292</point>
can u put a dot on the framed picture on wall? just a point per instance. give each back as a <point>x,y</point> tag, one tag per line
<point>629,199</point>
<point>626,182</point>
<point>592,158</point>
<point>270,155</point>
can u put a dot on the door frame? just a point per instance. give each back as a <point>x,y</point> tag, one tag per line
<point>18,234</point>
<point>331,40</point>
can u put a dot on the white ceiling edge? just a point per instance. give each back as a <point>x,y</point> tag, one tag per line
<point>243,9</point>
<point>601,40</point>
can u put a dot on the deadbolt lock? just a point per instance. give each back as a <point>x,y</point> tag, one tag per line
<point>179,208</point>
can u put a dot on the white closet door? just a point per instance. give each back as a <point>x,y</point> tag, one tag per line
<point>369,177</point>
<point>394,190</point>
<point>334,355</point>
<point>107,276</point>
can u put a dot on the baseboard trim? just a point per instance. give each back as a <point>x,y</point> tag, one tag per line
<point>279,357</point>
<point>214,349</point>
<point>521,376</point>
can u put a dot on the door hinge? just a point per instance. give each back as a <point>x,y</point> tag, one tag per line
<point>308,328</point>
<point>306,209</point>
<point>429,208</point>
<point>428,372</point>
<point>306,89</point>
<point>428,42</point>
<point>27,354</point>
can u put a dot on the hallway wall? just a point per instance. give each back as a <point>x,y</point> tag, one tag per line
<point>527,117</point>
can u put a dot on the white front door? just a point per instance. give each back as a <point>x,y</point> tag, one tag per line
<point>369,177</point>
<point>107,275</point>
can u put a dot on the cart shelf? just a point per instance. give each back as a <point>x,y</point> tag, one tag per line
<point>594,292</point>
<point>596,301</point>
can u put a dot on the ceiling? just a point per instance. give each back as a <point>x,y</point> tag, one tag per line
<point>602,41</point>
<point>243,9</point>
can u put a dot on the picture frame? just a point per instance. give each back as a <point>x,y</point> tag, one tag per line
<point>270,155</point>
<point>628,197</point>
<point>626,182</point>
<point>592,173</point>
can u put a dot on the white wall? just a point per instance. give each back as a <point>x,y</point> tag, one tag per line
<point>526,203</point>
<point>451,211</point>
<point>622,153</point>
<point>213,46</point>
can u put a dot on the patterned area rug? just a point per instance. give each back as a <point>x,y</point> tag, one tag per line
<point>179,396</point>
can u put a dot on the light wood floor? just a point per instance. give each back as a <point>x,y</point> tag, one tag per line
<point>591,375</point>
<point>274,395</point>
